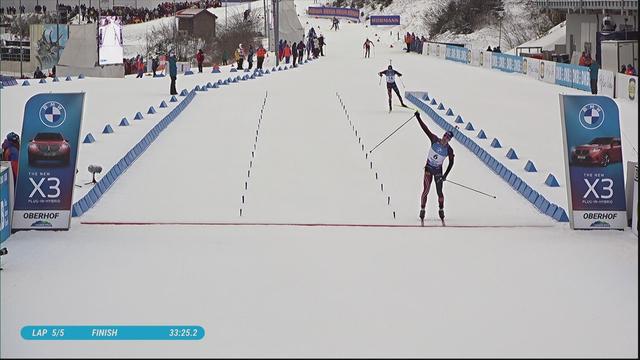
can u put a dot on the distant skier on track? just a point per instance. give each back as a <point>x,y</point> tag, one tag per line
<point>367,48</point>
<point>390,73</point>
<point>439,151</point>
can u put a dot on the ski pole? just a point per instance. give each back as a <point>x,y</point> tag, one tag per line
<point>402,81</point>
<point>466,187</point>
<point>380,82</point>
<point>385,139</point>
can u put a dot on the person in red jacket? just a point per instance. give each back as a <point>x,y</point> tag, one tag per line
<point>260,54</point>
<point>630,70</point>
<point>140,66</point>
<point>200,60</point>
<point>583,59</point>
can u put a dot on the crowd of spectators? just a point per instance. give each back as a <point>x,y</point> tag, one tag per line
<point>628,70</point>
<point>10,10</point>
<point>129,15</point>
<point>414,43</point>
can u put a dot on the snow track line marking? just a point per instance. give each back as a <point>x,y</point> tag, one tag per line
<point>401,226</point>
<point>253,152</point>
<point>362,148</point>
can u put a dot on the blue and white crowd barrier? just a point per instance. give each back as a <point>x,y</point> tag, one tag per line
<point>102,186</point>
<point>568,75</point>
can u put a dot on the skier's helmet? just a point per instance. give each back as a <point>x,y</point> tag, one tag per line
<point>390,67</point>
<point>13,137</point>
<point>448,134</point>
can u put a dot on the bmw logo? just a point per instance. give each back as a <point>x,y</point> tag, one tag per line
<point>591,116</point>
<point>52,114</point>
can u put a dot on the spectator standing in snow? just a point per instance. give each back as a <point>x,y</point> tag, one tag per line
<point>225,57</point>
<point>173,72</point>
<point>200,60</point>
<point>300,51</point>
<point>407,41</point>
<point>280,49</point>
<point>154,65</point>
<point>594,67</point>
<point>239,56</point>
<point>287,53</point>
<point>140,67</point>
<point>321,43</point>
<point>260,54</point>
<point>294,52</point>
<point>11,152</point>
<point>250,56</point>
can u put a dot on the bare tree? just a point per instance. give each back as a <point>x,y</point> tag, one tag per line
<point>162,38</point>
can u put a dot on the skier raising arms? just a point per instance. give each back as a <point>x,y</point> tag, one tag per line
<point>439,150</point>
<point>367,48</point>
<point>390,73</point>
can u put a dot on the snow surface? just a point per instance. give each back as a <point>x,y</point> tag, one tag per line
<point>530,288</point>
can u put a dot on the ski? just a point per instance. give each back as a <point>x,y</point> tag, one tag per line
<point>406,107</point>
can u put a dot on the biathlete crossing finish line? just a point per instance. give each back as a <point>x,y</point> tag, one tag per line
<point>438,152</point>
<point>390,73</point>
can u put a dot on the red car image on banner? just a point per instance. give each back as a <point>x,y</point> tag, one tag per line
<point>600,151</point>
<point>49,148</point>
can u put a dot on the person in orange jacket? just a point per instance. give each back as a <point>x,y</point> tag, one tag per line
<point>287,53</point>
<point>260,55</point>
<point>407,41</point>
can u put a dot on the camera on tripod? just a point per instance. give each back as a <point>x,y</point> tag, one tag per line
<point>94,169</point>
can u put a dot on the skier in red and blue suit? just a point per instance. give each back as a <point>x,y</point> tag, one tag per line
<point>438,152</point>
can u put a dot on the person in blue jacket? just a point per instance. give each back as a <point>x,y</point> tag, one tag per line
<point>173,72</point>
<point>11,152</point>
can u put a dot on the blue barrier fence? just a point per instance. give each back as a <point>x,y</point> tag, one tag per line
<point>506,62</point>
<point>458,54</point>
<point>518,184</point>
<point>575,76</point>
<point>90,198</point>
<point>568,75</point>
